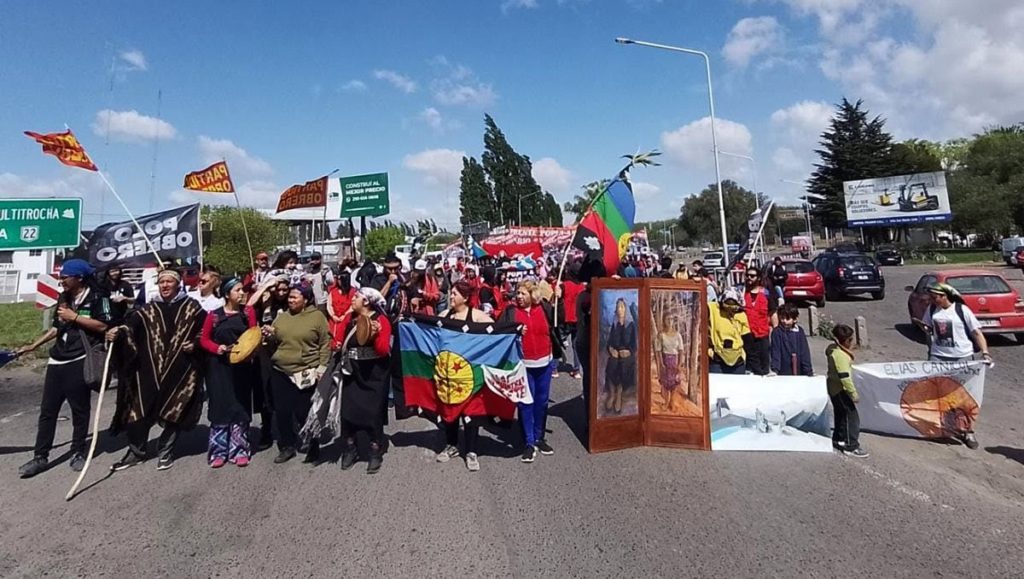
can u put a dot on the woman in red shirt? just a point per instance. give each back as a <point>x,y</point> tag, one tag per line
<point>339,303</point>
<point>539,352</point>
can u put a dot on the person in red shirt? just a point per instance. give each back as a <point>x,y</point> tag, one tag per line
<point>539,352</point>
<point>339,302</point>
<point>571,290</point>
<point>760,308</point>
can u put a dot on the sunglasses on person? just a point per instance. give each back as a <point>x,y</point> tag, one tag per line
<point>753,276</point>
<point>205,280</point>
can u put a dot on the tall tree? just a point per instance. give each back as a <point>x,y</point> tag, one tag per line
<point>580,203</point>
<point>699,214</point>
<point>916,156</point>
<point>476,198</point>
<point>853,148</point>
<point>512,177</point>
<point>552,211</point>
<point>227,248</point>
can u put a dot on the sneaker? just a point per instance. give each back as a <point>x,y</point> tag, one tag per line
<point>33,467</point>
<point>242,461</point>
<point>284,455</point>
<point>376,460</point>
<point>472,462</point>
<point>130,459</point>
<point>448,453</point>
<point>529,454</point>
<point>574,374</point>
<point>970,441</point>
<point>217,462</point>
<point>857,453</point>
<point>164,463</point>
<point>77,462</point>
<point>348,458</point>
<point>545,448</point>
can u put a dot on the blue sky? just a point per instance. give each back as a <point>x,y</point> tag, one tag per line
<point>290,91</point>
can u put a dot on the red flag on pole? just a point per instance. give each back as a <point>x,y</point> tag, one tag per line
<point>214,179</point>
<point>65,147</point>
<point>311,194</point>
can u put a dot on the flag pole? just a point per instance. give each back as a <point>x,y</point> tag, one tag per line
<point>323,232</point>
<point>245,229</point>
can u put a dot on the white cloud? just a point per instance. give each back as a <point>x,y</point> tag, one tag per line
<point>432,118</point>
<point>788,162</point>
<point>552,176</point>
<point>457,85</point>
<point>803,121</point>
<point>130,126</point>
<point>691,146</point>
<point>133,60</point>
<point>399,81</point>
<point>830,13</point>
<point>354,85</point>
<point>513,4</point>
<point>240,162</point>
<point>645,191</point>
<point>753,37</point>
<point>438,167</point>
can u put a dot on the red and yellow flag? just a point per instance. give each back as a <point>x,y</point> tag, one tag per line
<point>310,194</point>
<point>213,179</point>
<point>65,147</point>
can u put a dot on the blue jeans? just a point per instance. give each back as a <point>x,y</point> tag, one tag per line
<point>533,416</point>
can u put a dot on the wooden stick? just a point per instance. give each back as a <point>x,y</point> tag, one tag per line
<point>95,426</point>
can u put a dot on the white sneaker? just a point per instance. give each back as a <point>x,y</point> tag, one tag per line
<point>472,462</point>
<point>448,453</point>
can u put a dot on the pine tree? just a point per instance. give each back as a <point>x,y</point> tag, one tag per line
<point>853,148</point>
<point>511,174</point>
<point>476,199</point>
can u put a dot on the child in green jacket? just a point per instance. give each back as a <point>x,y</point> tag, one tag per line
<point>846,432</point>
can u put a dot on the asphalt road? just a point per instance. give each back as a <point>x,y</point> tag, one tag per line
<point>914,508</point>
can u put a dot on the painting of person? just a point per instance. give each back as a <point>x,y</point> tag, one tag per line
<point>669,353</point>
<point>619,335</point>
<point>675,358</point>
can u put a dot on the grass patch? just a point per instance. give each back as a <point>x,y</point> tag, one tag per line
<point>958,257</point>
<point>20,324</point>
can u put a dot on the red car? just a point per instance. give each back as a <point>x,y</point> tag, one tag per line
<point>803,283</point>
<point>997,306</point>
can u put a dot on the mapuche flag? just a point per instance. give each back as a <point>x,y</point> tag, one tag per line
<point>453,368</point>
<point>65,147</point>
<point>604,232</point>
<point>214,179</point>
<point>310,194</point>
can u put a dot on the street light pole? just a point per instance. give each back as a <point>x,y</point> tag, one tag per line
<point>753,165</point>
<point>714,132</point>
<point>521,197</point>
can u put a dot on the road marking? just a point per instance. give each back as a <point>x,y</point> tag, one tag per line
<point>7,419</point>
<point>895,484</point>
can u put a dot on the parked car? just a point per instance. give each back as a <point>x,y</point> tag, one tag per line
<point>888,255</point>
<point>1009,248</point>
<point>714,259</point>
<point>997,306</point>
<point>1019,257</point>
<point>803,283</point>
<point>848,274</point>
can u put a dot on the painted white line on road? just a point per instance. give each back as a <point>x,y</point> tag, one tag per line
<point>7,419</point>
<point>895,484</point>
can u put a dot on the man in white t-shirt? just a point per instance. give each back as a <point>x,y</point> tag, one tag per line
<point>954,331</point>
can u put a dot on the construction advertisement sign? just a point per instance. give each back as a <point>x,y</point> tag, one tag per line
<point>899,200</point>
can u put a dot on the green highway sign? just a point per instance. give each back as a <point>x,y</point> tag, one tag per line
<point>365,196</point>
<point>40,223</point>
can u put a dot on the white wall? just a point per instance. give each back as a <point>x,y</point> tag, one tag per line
<point>25,268</point>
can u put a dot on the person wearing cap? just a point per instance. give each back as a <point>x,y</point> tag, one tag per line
<point>419,293</point>
<point>82,315</point>
<point>320,279</point>
<point>229,387</point>
<point>760,308</point>
<point>301,345</point>
<point>388,283</point>
<point>954,333</point>
<point>256,277</point>
<point>160,378</point>
<point>729,328</point>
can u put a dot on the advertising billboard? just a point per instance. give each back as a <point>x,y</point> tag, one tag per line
<point>899,200</point>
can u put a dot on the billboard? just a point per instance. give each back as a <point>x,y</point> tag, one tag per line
<point>899,200</point>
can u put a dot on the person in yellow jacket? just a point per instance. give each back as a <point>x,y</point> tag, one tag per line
<point>729,326</point>
<point>843,393</point>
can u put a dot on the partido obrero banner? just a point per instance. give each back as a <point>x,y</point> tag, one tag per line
<point>920,399</point>
<point>174,233</point>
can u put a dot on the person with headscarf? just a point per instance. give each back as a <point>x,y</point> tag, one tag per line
<point>160,380</point>
<point>338,304</point>
<point>269,299</point>
<point>82,315</point>
<point>365,379</point>
<point>229,387</point>
<point>301,346</point>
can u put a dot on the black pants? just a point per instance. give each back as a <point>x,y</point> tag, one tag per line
<point>472,434</point>
<point>64,382</point>
<point>759,355</point>
<point>846,432</point>
<point>138,438</point>
<point>291,407</point>
<point>355,437</point>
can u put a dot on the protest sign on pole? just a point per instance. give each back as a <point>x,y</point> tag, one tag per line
<point>173,234</point>
<point>920,399</point>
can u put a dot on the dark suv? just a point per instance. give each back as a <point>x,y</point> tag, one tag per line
<point>849,274</point>
<point>888,255</point>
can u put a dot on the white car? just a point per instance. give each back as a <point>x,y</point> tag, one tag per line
<point>714,259</point>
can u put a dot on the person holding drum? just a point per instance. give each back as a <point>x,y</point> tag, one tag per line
<point>231,374</point>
